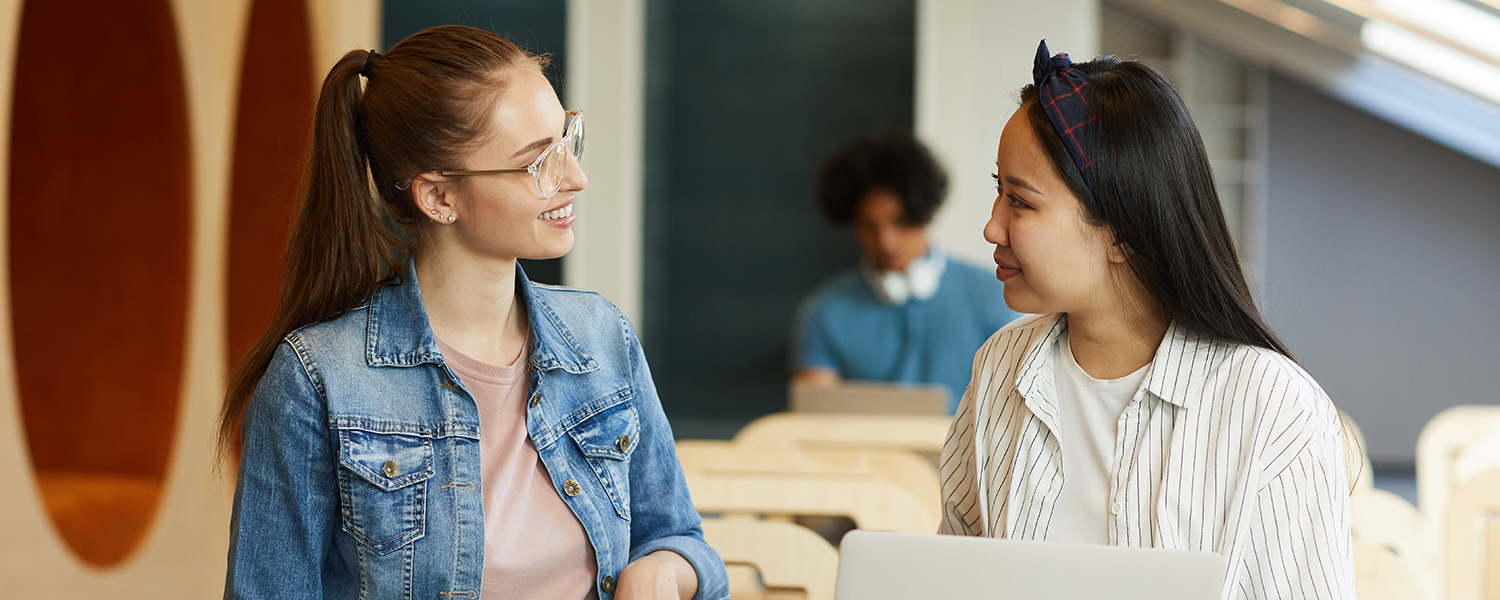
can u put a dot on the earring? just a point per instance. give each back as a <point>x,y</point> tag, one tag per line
<point>434,211</point>
<point>450,218</point>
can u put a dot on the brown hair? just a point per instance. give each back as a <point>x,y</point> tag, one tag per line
<point>423,105</point>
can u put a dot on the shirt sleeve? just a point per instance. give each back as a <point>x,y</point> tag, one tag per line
<point>811,346</point>
<point>961,511</point>
<point>286,497</point>
<point>1299,544</point>
<point>662,513</point>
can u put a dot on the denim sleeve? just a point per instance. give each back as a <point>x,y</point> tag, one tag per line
<point>811,348</point>
<point>286,499</point>
<point>662,513</point>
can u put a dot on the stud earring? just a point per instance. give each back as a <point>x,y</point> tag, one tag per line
<point>450,218</point>
<point>434,211</point>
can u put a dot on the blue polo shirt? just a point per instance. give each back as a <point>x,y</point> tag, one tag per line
<point>845,327</point>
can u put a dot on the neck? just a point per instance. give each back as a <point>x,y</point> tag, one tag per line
<point>471,303</point>
<point>1118,336</point>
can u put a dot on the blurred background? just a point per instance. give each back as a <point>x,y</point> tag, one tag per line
<point>154,149</point>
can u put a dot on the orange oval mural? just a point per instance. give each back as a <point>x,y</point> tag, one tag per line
<point>98,233</point>
<point>272,126</point>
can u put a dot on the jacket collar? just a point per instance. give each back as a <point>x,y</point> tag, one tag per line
<point>398,333</point>
<point>1178,371</point>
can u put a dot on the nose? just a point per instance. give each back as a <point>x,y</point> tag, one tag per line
<point>997,230</point>
<point>574,178</point>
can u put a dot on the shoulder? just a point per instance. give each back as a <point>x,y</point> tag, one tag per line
<point>332,341</point>
<point>573,301</point>
<point>1276,383</point>
<point>1019,335</point>
<point>843,288</point>
<point>1002,354</point>
<point>1284,411</point>
<point>584,318</point>
<point>843,284</point>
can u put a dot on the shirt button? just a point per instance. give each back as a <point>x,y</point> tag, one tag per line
<point>624,443</point>
<point>389,468</point>
<point>1115,508</point>
<point>571,488</point>
<point>608,585</point>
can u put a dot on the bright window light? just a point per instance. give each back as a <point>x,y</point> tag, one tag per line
<point>1434,59</point>
<point>1455,20</point>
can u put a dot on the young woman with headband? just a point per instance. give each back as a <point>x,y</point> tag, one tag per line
<point>1148,404</point>
<point>421,421</point>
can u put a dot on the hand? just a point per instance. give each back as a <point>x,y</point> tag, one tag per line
<point>661,575</point>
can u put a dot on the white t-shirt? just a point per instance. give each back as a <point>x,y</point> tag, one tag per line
<point>1088,414</point>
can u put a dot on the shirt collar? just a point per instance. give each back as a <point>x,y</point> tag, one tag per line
<point>1178,372</point>
<point>398,333</point>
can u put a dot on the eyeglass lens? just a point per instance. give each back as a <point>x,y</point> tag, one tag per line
<point>550,173</point>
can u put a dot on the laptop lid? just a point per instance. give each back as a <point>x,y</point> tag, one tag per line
<point>877,565</point>
<point>867,397</point>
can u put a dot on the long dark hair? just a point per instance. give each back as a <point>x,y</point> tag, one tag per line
<point>1162,204</point>
<point>422,106</point>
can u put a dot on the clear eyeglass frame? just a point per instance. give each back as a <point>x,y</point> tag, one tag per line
<point>549,168</point>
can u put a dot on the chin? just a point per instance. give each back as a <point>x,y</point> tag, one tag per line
<point>1023,303</point>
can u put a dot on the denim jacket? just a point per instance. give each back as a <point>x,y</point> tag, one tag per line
<point>359,475</point>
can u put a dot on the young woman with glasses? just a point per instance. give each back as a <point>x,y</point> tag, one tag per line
<point>421,421</point>
<point>1148,404</point>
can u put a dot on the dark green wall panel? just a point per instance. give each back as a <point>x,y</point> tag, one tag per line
<point>744,101</point>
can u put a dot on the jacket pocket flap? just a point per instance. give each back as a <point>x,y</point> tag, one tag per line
<point>609,433</point>
<point>387,461</point>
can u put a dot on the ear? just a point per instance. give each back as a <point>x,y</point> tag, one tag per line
<point>431,194</point>
<point>1118,252</point>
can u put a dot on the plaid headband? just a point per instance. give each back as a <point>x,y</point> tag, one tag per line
<point>1064,97</point>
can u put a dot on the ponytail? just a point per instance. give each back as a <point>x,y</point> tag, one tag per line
<point>418,112</point>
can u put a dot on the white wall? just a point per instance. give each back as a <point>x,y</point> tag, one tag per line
<point>972,58</point>
<point>1383,265</point>
<point>606,79</point>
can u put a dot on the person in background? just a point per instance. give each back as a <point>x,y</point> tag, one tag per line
<point>908,312</point>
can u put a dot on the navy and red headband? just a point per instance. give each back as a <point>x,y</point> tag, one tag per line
<point>1063,94</point>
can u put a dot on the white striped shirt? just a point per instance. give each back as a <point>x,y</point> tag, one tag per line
<point>1225,448</point>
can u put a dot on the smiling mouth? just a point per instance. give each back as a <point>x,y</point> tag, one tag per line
<point>561,213</point>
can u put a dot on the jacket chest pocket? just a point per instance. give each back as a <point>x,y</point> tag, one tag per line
<point>607,438</point>
<point>383,484</point>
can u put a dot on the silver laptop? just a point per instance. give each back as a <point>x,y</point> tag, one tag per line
<point>900,566</point>
<point>870,398</point>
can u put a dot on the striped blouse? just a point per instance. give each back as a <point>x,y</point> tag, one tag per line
<point>1225,448</point>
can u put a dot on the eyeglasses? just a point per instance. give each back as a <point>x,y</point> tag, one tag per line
<point>547,169</point>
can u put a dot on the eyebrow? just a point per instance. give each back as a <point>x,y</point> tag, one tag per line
<point>533,146</point>
<point>1020,183</point>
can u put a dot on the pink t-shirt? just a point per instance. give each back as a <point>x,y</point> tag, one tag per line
<point>534,546</point>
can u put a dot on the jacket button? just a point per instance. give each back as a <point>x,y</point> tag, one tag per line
<point>389,468</point>
<point>624,442</point>
<point>571,488</point>
<point>608,585</point>
<point>536,399</point>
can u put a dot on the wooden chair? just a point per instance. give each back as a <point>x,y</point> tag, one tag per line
<point>788,557</point>
<point>1387,521</point>
<point>871,501</point>
<point>1379,574</point>
<point>1438,447</point>
<point>923,434</point>
<point>1472,539</point>
<point>905,469</point>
